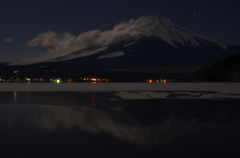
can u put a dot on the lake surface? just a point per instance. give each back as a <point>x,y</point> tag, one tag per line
<point>106,124</point>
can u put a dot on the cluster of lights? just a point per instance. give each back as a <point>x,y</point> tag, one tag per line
<point>94,80</point>
<point>70,80</point>
<point>55,80</point>
<point>164,81</point>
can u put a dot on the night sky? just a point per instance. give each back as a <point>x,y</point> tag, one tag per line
<point>21,21</point>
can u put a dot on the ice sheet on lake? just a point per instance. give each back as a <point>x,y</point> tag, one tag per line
<point>136,90</point>
<point>175,95</point>
<point>108,87</point>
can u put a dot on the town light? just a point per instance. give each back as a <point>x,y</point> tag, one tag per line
<point>57,80</point>
<point>69,80</point>
<point>28,79</point>
<point>149,81</point>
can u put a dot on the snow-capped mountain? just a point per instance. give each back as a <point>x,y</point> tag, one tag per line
<point>149,46</point>
<point>123,39</point>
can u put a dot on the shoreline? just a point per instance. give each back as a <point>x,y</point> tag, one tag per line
<point>226,87</point>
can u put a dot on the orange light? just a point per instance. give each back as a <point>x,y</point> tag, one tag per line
<point>157,81</point>
<point>69,80</point>
<point>93,79</point>
<point>164,81</point>
<point>149,81</point>
<point>105,80</point>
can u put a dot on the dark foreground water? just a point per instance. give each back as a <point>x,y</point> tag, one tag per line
<point>72,124</point>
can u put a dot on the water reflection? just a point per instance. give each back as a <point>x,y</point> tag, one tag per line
<point>145,123</point>
<point>121,125</point>
<point>15,96</point>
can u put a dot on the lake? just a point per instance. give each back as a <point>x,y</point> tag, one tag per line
<point>131,122</point>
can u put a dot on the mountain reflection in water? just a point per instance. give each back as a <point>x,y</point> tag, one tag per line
<point>121,125</point>
<point>146,123</point>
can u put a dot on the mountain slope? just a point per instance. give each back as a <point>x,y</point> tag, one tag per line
<point>224,70</point>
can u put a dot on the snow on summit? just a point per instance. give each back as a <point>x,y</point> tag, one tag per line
<point>165,29</point>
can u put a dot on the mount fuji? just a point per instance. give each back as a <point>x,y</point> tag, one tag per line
<point>146,43</point>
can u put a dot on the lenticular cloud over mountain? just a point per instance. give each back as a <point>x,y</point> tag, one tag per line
<point>62,46</point>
